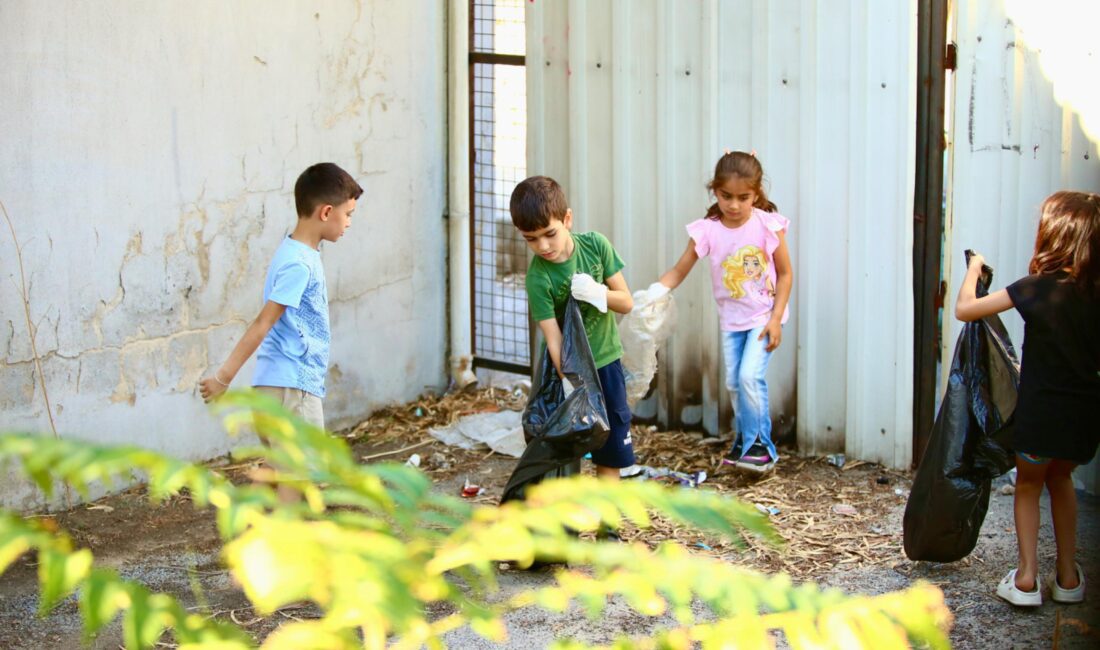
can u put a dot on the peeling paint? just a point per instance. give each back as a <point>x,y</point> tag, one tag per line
<point>159,250</point>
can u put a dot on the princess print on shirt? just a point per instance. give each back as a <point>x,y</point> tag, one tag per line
<point>746,276</point>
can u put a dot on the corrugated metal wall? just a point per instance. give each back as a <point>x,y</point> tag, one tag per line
<point>1013,145</point>
<point>630,104</point>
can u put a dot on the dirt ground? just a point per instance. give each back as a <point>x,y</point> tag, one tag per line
<point>842,528</point>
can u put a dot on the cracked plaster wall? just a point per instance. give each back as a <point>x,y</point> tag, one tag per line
<point>149,160</point>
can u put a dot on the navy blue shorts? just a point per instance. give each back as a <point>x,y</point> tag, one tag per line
<point>618,451</point>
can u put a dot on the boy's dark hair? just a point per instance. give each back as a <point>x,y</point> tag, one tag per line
<point>323,184</point>
<point>535,201</point>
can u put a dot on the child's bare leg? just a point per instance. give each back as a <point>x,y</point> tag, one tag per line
<point>1029,487</point>
<point>1063,508</point>
<point>607,473</point>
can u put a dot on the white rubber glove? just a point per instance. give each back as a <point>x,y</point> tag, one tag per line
<point>656,291</point>
<point>587,289</point>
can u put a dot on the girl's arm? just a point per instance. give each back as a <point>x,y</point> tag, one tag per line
<point>618,294</point>
<point>674,276</point>
<point>784,278</point>
<point>968,307</point>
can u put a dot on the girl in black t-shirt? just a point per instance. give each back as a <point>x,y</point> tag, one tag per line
<point>1058,411</point>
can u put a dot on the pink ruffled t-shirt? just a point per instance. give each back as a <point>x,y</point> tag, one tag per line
<point>742,270</point>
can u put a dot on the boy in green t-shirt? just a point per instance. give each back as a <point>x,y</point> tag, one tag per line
<point>586,266</point>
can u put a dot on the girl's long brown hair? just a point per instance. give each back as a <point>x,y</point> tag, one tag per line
<point>1069,238</point>
<point>746,167</point>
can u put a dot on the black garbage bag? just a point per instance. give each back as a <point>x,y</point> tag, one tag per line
<point>970,442</point>
<point>560,430</point>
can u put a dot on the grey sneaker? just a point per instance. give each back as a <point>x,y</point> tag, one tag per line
<point>756,460</point>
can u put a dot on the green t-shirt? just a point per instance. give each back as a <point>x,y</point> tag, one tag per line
<point>549,285</point>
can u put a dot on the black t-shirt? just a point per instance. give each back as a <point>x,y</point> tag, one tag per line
<point>1058,412</point>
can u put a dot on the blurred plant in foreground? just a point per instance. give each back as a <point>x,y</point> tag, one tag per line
<point>373,546</point>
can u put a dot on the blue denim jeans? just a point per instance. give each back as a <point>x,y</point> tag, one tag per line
<point>746,371</point>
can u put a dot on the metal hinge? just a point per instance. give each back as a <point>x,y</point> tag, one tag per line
<point>941,293</point>
<point>950,57</point>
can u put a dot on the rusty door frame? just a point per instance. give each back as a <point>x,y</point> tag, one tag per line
<point>934,57</point>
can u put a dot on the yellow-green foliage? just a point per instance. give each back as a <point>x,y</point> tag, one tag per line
<point>372,545</point>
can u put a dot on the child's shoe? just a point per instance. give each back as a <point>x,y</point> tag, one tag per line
<point>756,460</point>
<point>1068,596</point>
<point>1010,592</point>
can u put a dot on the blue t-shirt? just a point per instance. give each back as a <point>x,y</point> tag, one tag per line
<point>294,354</point>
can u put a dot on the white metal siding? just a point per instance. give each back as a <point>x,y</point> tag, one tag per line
<point>630,105</point>
<point>1013,145</point>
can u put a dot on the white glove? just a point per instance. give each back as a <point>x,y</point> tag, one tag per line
<point>566,386</point>
<point>656,291</point>
<point>587,289</point>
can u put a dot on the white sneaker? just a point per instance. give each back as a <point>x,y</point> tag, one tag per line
<point>1010,592</point>
<point>1068,596</point>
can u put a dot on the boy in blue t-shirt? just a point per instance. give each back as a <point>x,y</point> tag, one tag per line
<point>292,329</point>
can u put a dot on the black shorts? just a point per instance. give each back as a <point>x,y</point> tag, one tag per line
<point>618,451</point>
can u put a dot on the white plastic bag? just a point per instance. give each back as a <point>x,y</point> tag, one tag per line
<point>643,331</point>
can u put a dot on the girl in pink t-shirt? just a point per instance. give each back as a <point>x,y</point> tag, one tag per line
<point>750,270</point>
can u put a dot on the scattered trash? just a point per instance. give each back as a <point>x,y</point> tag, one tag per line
<point>1012,476</point>
<point>522,388</point>
<point>836,460</point>
<point>651,428</point>
<point>883,480</point>
<point>1008,489</point>
<point>647,473</point>
<point>845,509</point>
<point>703,546</point>
<point>878,530</point>
<point>439,461</point>
<point>413,461</point>
<point>470,490</point>
<point>501,431</point>
<point>900,492</point>
<point>771,511</point>
<point>419,412</point>
<point>628,472</point>
<point>100,506</point>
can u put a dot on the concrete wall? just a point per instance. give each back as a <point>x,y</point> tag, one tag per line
<point>148,163</point>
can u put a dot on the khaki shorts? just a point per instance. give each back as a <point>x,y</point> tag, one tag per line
<point>305,405</point>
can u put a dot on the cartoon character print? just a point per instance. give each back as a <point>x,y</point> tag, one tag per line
<point>746,276</point>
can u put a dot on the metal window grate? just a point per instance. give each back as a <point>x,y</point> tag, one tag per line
<point>498,117</point>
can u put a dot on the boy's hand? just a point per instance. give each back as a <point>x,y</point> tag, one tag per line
<point>210,388</point>
<point>587,289</point>
<point>774,331</point>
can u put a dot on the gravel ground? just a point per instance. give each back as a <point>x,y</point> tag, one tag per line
<point>174,548</point>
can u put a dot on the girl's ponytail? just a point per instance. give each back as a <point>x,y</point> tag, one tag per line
<point>763,202</point>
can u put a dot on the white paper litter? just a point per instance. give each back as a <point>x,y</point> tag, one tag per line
<point>501,431</point>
